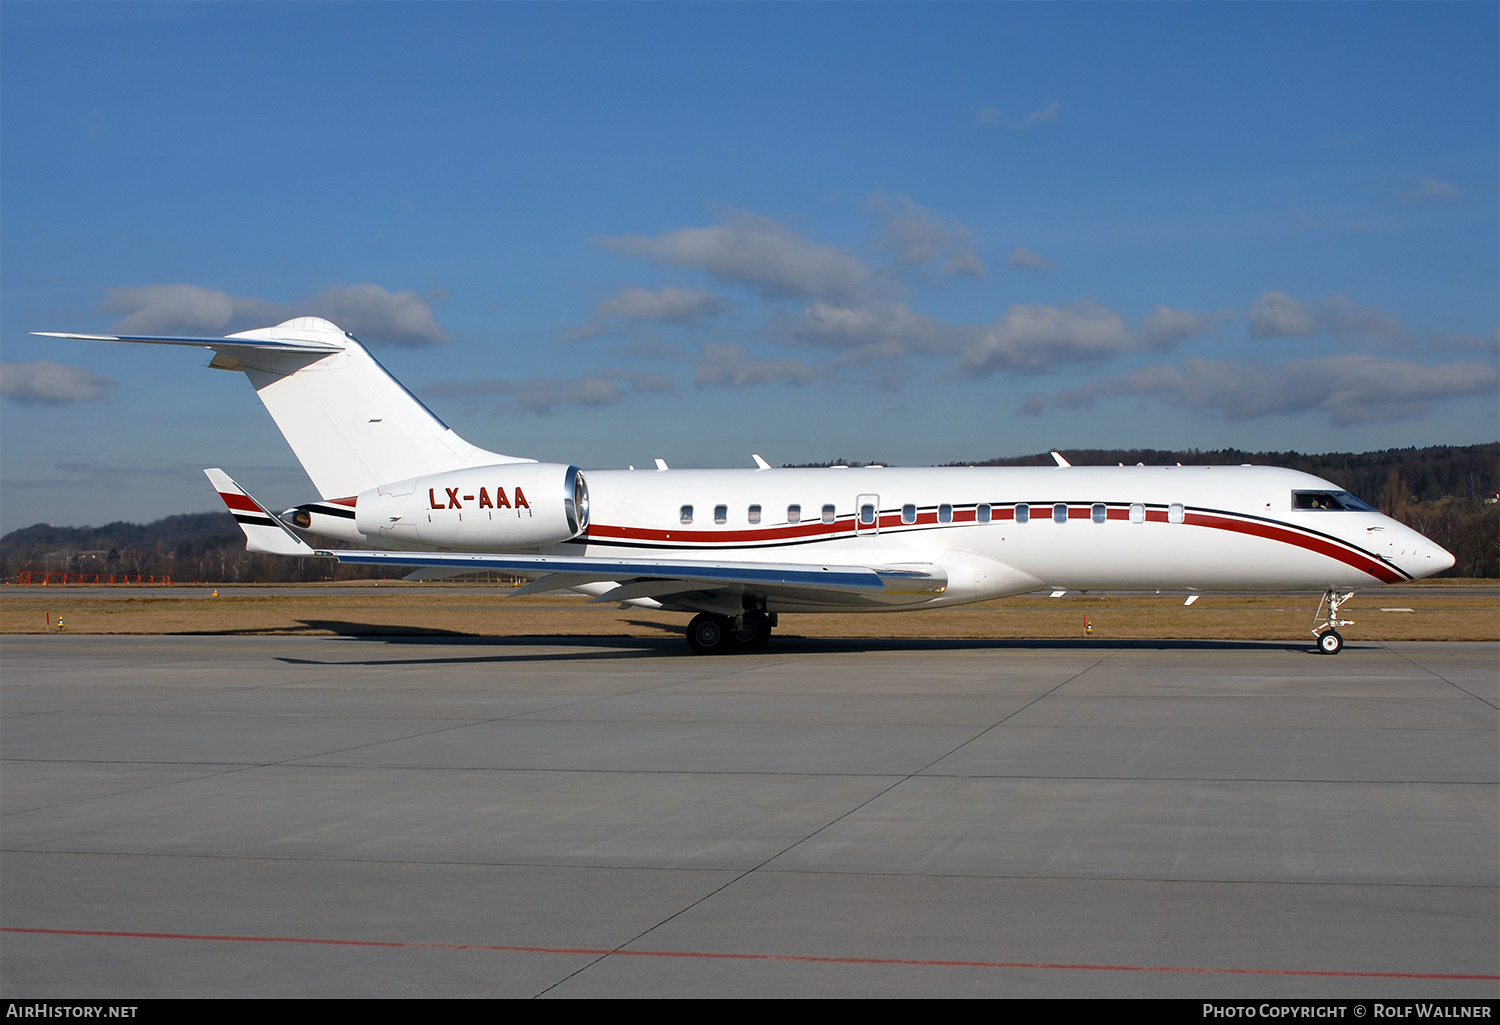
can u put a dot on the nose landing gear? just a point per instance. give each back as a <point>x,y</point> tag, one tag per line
<point>1330,641</point>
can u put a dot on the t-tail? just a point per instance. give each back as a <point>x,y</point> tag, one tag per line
<point>351,424</point>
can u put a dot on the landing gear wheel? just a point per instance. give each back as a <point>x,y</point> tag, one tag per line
<point>1330,643</point>
<point>754,631</point>
<point>709,634</point>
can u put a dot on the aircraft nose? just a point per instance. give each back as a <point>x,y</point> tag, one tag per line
<point>1426,559</point>
<point>1441,558</point>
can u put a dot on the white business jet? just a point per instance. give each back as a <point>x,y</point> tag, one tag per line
<point>741,547</point>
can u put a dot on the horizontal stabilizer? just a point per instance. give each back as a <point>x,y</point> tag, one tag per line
<point>223,344</point>
<point>263,532</point>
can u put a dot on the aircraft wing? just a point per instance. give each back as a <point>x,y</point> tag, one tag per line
<point>701,584</point>
<point>669,579</point>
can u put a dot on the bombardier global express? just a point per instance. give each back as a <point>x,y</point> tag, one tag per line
<point>741,547</point>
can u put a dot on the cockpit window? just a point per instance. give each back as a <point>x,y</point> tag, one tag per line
<point>1340,501</point>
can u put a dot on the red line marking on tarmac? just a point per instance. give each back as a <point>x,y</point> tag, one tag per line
<point>707,955</point>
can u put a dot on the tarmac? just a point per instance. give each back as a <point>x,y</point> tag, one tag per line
<point>521,817</point>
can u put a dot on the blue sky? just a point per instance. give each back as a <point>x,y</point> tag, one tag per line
<point>605,233</point>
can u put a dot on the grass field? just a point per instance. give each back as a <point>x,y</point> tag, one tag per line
<point>1447,610</point>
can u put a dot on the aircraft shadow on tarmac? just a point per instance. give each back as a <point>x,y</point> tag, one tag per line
<point>617,647</point>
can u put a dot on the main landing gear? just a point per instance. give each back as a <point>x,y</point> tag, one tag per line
<point>1330,641</point>
<point>712,634</point>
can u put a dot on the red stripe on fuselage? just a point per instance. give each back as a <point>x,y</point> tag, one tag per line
<point>1379,570</point>
<point>817,529</point>
<point>791,532</point>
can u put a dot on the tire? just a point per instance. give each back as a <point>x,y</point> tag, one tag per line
<point>1330,643</point>
<point>709,634</point>
<point>754,631</point>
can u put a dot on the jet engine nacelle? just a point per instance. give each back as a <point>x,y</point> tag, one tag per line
<point>508,505</point>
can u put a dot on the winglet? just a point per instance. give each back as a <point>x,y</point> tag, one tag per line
<point>1060,460</point>
<point>263,532</point>
<point>760,464</point>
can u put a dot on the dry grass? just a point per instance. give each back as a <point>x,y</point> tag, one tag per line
<point>1440,611</point>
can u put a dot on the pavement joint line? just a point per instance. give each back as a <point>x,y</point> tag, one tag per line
<point>1440,676</point>
<point>831,822</point>
<point>737,956</point>
<point>1484,888</point>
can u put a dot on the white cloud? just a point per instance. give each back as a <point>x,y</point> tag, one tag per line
<point>916,236</point>
<point>730,366</point>
<point>542,396</point>
<point>1028,339</point>
<point>1278,315</point>
<point>964,264</point>
<point>182,309</point>
<point>684,306</point>
<point>755,252</point>
<point>370,312</point>
<point>994,117</point>
<point>1164,327</point>
<point>1349,388</point>
<point>1036,338</point>
<point>1339,316</point>
<point>1021,258</point>
<point>884,329</point>
<point>45,383</point>
<point>1426,189</point>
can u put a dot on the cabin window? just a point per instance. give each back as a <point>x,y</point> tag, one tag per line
<point>1175,513</point>
<point>794,514</point>
<point>867,515</point>
<point>687,514</point>
<point>982,514</point>
<point>1060,513</point>
<point>1137,513</point>
<point>721,513</point>
<point>1100,514</point>
<point>755,514</point>
<point>828,516</point>
<point>1340,501</point>
<point>908,514</point>
<point>1023,514</point>
<point>945,513</point>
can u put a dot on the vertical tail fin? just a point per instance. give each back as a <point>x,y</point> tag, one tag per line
<point>351,424</point>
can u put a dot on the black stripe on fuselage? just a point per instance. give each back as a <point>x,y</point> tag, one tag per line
<point>327,510</point>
